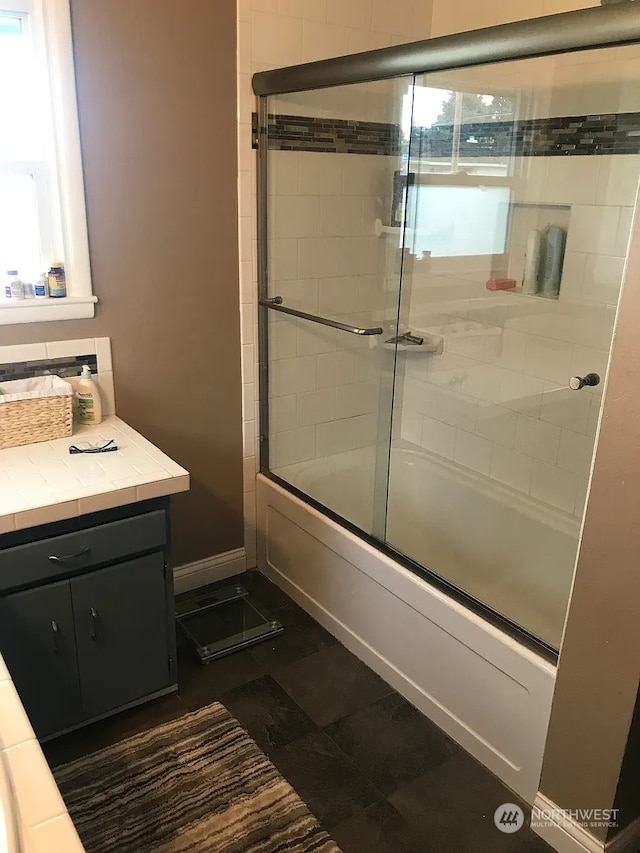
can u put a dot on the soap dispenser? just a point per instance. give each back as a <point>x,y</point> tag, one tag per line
<point>88,398</point>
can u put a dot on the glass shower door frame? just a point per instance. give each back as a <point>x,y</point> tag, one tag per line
<point>262,213</point>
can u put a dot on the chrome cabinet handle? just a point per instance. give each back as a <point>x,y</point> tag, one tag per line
<point>94,623</point>
<point>578,382</point>
<point>83,552</point>
<point>56,634</point>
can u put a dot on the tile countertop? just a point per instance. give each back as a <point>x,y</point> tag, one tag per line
<point>43,482</point>
<point>40,483</point>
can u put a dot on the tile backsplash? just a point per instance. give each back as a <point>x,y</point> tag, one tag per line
<point>64,359</point>
<point>65,367</point>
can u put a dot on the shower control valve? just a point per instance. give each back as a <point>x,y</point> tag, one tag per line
<point>578,382</point>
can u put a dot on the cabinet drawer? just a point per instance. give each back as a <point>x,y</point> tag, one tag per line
<point>66,554</point>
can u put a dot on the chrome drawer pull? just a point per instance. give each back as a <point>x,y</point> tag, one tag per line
<point>81,553</point>
<point>94,630</point>
<point>54,628</point>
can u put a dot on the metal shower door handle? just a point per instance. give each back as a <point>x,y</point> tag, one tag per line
<point>578,382</point>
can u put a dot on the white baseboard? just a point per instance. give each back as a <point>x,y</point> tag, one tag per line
<point>569,837</point>
<point>572,837</point>
<point>211,569</point>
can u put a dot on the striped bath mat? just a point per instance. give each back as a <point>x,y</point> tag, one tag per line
<point>198,784</point>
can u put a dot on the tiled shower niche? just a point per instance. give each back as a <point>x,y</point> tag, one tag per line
<point>524,219</point>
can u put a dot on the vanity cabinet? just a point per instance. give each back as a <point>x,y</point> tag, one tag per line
<point>93,632</point>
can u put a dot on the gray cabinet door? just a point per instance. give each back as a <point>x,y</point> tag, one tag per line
<point>122,629</point>
<point>38,644</point>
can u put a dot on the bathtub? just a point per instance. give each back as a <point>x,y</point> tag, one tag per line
<point>488,691</point>
<point>517,554</point>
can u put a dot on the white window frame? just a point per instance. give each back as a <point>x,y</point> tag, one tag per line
<point>50,22</point>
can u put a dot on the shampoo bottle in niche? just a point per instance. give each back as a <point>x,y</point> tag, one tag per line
<point>551,267</point>
<point>531,262</point>
<point>88,398</point>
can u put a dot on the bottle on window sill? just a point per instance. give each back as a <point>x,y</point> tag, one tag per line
<point>13,288</point>
<point>57,281</point>
<point>41,289</point>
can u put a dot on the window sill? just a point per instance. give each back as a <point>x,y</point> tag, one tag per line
<point>46,310</point>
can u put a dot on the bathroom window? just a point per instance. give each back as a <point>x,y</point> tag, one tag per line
<point>459,132</point>
<point>448,220</point>
<point>459,146</point>
<point>42,211</point>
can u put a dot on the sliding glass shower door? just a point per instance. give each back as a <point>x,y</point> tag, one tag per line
<point>441,263</point>
<point>334,159</point>
<point>522,177</point>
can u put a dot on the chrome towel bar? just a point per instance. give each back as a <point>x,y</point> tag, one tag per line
<point>275,304</point>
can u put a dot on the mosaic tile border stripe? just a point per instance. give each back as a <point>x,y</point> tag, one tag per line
<point>331,135</point>
<point>64,367</point>
<point>610,133</point>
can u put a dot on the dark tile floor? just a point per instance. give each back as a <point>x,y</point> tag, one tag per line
<point>376,773</point>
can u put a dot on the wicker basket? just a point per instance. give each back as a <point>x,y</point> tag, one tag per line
<point>38,409</point>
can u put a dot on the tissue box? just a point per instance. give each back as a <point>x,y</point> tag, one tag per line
<point>38,409</point>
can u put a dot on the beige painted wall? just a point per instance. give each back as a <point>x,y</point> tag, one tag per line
<point>599,667</point>
<point>157,102</point>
